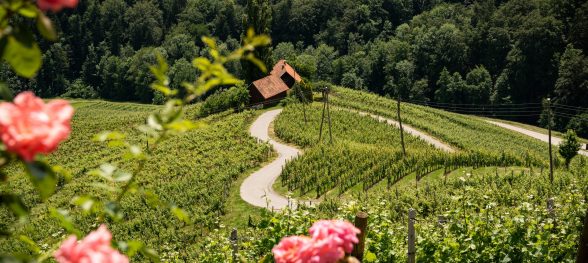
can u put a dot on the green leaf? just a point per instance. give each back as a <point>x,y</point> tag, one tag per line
<point>181,214</point>
<point>210,42</point>
<point>46,28</point>
<point>164,90</point>
<point>131,247</point>
<point>85,202</point>
<point>105,171</point>
<point>33,247</point>
<point>22,53</point>
<point>109,136</point>
<point>65,220</point>
<point>28,10</point>
<point>370,257</point>
<point>185,125</point>
<point>15,204</point>
<point>5,92</point>
<point>151,254</point>
<point>201,63</point>
<point>112,209</point>
<point>154,122</point>
<point>122,176</point>
<point>152,199</point>
<point>257,62</point>
<point>43,178</point>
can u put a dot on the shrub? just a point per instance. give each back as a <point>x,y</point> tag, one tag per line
<point>579,124</point>
<point>79,90</point>
<point>569,147</point>
<point>234,98</point>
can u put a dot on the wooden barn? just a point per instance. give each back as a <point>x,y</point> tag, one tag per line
<point>286,72</point>
<point>268,89</point>
<point>275,86</point>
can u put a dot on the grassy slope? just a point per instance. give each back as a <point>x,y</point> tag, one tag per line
<point>191,170</point>
<point>502,191</point>
<point>533,128</point>
<point>358,142</point>
<point>461,131</point>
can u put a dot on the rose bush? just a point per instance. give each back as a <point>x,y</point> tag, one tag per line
<point>329,241</point>
<point>29,127</point>
<point>56,5</point>
<point>94,248</point>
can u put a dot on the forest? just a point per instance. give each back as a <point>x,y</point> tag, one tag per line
<point>469,53</point>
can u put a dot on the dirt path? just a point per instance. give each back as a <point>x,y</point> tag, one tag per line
<point>425,137</point>
<point>543,137</point>
<point>257,188</point>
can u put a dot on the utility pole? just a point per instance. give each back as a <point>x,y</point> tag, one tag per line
<point>400,123</point>
<point>325,108</point>
<point>301,94</point>
<point>303,99</point>
<point>549,121</point>
<point>329,116</point>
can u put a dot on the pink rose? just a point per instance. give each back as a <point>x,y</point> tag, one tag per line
<point>329,241</point>
<point>294,249</point>
<point>56,5</point>
<point>341,233</point>
<point>29,126</point>
<point>327,250</point>
<point>95,248</point>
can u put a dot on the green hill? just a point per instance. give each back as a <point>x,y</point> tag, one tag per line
<point>194,171</point>
<point>491,193</point>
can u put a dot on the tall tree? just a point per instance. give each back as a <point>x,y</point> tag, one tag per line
<point>404,78</point>
<point>571,87</point>
<point>145,22</point>
<point>259,18</point>
<point>112,13</point>
<point>479,84</point>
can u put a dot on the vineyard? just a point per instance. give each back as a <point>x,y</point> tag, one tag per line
<point>367,152</point>
<point>463,132</point>
<point>486,214</point>
<point>487,202</point>
<point>214,156</point>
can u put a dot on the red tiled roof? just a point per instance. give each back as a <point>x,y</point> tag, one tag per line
<point>270,86</point>
<point>283,67</point>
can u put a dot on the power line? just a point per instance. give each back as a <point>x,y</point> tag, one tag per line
<point>465,104</point>
<point>481,108</point>
<point>487,110</point>
<point>570,116</point>
<point>566,107</point>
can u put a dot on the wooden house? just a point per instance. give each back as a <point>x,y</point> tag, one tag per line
<point>272,88</point>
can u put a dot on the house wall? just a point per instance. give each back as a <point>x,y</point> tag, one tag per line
<point>273,100</point>
<point>255,96</point>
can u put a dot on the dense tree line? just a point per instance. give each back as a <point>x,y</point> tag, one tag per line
<point>462,52</point>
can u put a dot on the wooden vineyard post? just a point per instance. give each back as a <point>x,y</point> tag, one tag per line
<point>550,206</point>
<point>303,99</point>
<point>411,236</point>
<point>234,243</point>
<point>582,255</point>
<point>549,131</point>
<point>329,115</point>
<point>361,220</point>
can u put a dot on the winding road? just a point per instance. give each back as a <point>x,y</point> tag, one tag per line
<point>257,188</point>
<point>425,137</point>
<point>543,137</point>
